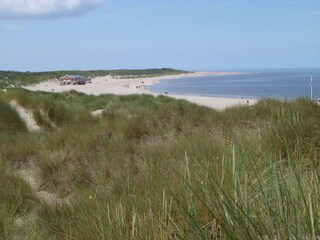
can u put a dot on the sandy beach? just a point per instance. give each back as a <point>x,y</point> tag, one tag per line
<point>126,86</point>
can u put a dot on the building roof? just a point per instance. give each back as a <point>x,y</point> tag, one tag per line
<point>78,76</point>
<point>74,76</point>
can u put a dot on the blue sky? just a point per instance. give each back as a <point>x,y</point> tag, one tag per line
<point>42,35</point>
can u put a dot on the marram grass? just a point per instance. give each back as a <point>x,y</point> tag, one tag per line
<point>156,168</point>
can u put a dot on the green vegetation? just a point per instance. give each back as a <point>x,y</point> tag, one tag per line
<point>11,78</point>
<point>157,168</point>
<point>9,119</point>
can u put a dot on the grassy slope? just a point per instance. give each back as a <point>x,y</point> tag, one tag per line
<point>156,168</point>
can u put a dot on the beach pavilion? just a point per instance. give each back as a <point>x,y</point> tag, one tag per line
<point>74,79</point>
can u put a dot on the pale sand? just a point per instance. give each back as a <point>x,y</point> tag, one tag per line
<point>109,85</point>
<point>26,115</point>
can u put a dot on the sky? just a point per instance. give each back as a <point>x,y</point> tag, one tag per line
<point>45,35</point>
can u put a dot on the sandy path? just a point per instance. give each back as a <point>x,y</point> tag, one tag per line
<point>109,85</point>
<point>26,115</point>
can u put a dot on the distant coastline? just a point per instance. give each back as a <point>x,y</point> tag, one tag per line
<point>276,83</point>
<point>125,86</point>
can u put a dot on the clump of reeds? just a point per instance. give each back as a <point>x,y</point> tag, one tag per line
<point>252,199</point>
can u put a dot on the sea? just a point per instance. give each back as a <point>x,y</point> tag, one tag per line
<point>266,83</point>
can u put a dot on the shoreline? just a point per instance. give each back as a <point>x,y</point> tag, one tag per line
<point>127,86</point>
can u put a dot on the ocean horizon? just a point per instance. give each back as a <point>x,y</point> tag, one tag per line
<point>255,83</point>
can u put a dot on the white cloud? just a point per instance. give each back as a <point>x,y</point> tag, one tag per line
<point>45,8</point>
